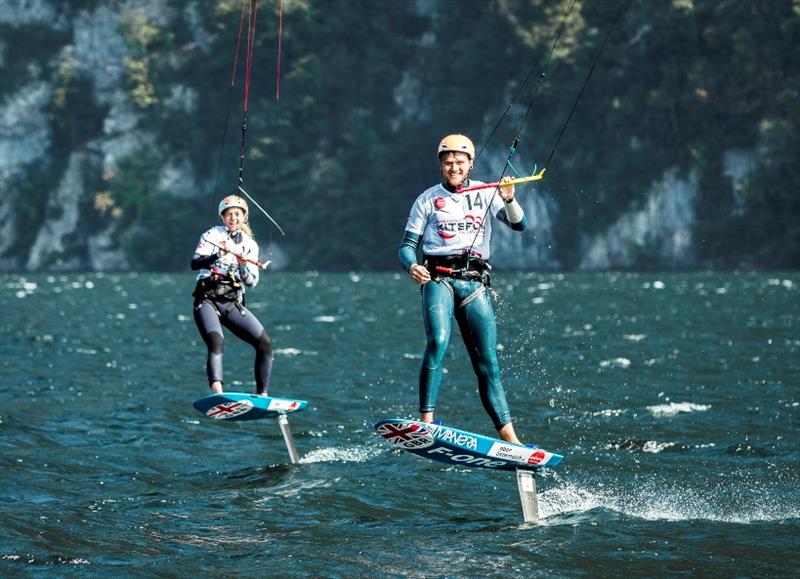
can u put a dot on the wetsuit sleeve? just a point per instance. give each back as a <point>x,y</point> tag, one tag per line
<point>408,249</point>
<point>203,261</point>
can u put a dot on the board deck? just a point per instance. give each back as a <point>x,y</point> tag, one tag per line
<point>241,406</point>
<point>453,446</point>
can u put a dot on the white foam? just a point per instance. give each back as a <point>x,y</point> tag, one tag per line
<point>615,363</point>
<point>659,504</point>
<point>654,447</point>
<point>32,559</point>
<point>565,500</point>
<point>674,408</point>
<point>341,454</point>
<point>327,319</point>
<point>653,500</point>
<point>288,351</point>
<point>655,285</point>
<point>609,412</point>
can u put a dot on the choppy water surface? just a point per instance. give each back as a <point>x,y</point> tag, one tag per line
<point>674,398</point>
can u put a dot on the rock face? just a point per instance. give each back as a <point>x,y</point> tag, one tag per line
<point>66,236</point>
<point>24,139</point>
<point>662,228</point>
<point>51,249</point>
<point>535,248</point>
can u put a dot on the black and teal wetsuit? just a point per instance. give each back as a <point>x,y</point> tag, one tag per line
<point>447,222</point>
<point>219,302</point>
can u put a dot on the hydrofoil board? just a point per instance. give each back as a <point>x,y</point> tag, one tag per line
<point>453,446</point>
<point>240,406</point>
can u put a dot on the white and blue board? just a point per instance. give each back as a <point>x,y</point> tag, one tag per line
<point>459,447</point>
<point>239,406</point>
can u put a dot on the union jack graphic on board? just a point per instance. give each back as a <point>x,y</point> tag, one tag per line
<point>229,409</point>
<point>406,435</point>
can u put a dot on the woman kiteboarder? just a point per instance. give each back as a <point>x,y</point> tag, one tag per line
<point>227,257</point>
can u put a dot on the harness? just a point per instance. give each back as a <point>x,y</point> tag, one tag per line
<point>219,287</point>
<point>459,267</point>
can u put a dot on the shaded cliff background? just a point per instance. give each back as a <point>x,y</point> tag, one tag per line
<point>682,153</point>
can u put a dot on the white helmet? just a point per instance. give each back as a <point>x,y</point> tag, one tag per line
<point>456,144</point>
<point>233,201</point>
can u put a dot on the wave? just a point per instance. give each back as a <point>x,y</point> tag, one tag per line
<point>294,352</point>
<point>654,446</point>
<point>616,363</point>
<point>327,319</point>
<point>674,408</point>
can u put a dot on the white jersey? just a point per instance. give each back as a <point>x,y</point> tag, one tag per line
<point>218,235</point>
<point>448,222</point>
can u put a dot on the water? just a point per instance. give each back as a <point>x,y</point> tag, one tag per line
<point>673,396</point>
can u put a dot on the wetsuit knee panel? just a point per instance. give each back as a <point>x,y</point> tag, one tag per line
<point>264,344</point>
<point>438,339</point>
<point>215,342</point>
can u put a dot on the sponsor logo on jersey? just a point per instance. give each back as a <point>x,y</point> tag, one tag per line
<point>229,409</point>
<point>405,435</point>
<point>449,229</point>
<point>439,203</point>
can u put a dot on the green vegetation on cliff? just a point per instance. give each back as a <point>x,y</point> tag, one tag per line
<point>708,88</point>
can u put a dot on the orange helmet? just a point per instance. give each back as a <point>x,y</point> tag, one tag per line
<point>456,144</point>
<point>233,201</point>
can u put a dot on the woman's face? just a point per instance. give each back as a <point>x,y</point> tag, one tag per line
<point>455,167</point>
<point>233,217</point>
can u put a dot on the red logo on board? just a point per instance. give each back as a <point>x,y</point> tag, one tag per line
<point>536,457</point>
<point>439,203</point>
